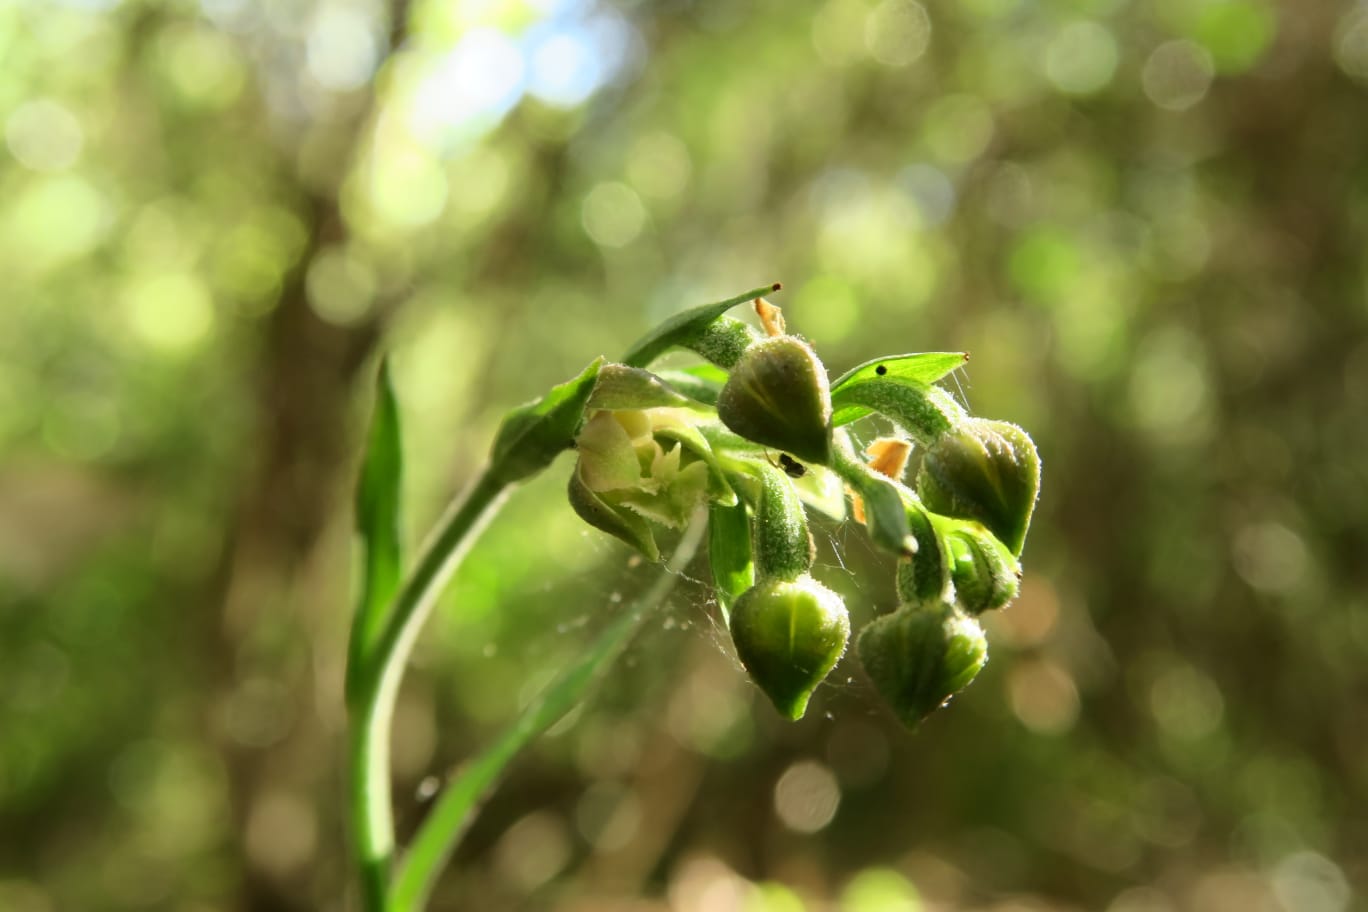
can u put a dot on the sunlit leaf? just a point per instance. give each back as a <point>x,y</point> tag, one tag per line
<point>729,552</point>
<point>532,435</point>
<point>853,394</point>
<point>378,491</point>
<point>622,387</point>
<point>685,329</point>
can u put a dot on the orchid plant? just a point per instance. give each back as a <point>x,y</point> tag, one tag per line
<point>735,449</point>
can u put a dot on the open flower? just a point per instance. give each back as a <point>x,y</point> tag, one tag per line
<point>642,466</point>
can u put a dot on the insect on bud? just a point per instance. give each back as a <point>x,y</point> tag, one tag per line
<point>984,470</point>
<point>777,396</point>
<point>789,635</point>
<point>918,658</point>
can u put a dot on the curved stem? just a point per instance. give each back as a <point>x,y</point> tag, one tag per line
<point>380,674</point>
<point>443,827</point>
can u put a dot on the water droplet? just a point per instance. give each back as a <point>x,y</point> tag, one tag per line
<point>428,787</point>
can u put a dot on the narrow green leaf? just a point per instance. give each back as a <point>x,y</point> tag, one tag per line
<point>923,367</point>
<point>622,387</point>
<point>377,523</point>
<point>701,382</point>
<point>441,831</point>
<point>685,328</point>
<point>874,383</point>
<point>729,553</point>
<point>532,435</point>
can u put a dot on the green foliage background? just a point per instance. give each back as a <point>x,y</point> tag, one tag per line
<point>1145,219</point>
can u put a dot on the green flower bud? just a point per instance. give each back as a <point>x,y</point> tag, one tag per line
<point>922,577</point>
<point>615,519</point>
<point>777,396</point>
<point>783,544</point>
<point>789,635</point>
<point>984,571</point>
<point>918,658</point>
<point>984,470</point>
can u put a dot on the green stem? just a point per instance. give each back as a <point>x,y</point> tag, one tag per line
<point>443,827</point>
<point>378,680</point>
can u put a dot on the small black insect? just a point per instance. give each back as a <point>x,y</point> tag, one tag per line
<point>881,370</point>
<point>792,467</point>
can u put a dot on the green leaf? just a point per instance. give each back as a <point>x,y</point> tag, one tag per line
<point>687,328</point>
<point>923,367</point>
<point>532,435</point>
<point>442,829</point>
<point>622,387</point>
<point>378,492</point>
<point>701,382</point>
<point>729,553</point>
<point>902,391</point>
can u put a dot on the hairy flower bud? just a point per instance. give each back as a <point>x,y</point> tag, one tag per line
<point>984,572</point>
<point>984,470</point>
<point>918,658</point>
<point>789,635</point>
<point>777,396</point>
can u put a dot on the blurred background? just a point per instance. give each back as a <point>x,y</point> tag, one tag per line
<point>1145,219</point>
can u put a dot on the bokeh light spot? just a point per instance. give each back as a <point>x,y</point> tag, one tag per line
<point>533,851</point>
<point>281,832</point>
<point>1270,557</point>
<point>1168,387</point>
<point>407,186</point>
<point>1081,59</point>
<point>880,890</point>
<point>806,797</point>
<point>839,29</point>
<point>897,32</point>
<point>1310,882</point>
<point>658,165</point>
<point>470,88</point>
<point>341,286</point>
<point>1177,75</point>
<point>44,136</point>
<point>171,312</point>
<point>1043,696</point>
<point>341,49</point>
<point>54,220</point>
<point>612,214</point>
<point>1185,702</point>
<point>1236,32</point>
<point>958,128</point>
<point>1351,43</point>
<point>201,66</point>
<point>931,190</point>
<point>826,308</point>
<point>1141,899</point>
